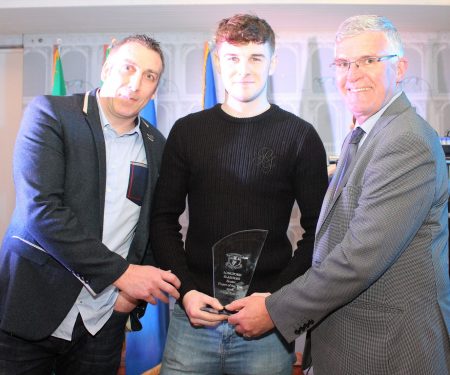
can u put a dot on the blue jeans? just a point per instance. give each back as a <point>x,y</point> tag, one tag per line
<point>219,350</point>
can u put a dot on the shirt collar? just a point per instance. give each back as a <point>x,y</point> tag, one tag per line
<point>106,124</point>
<point>368,125</point>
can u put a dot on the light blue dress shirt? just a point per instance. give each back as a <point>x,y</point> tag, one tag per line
<point>119,223</point>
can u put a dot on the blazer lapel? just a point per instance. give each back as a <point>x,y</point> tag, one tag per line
<point>400,105</point>
<point>148,139</point>
<point>330,196</point>
<point>136,253</point>
<point>90,110</point>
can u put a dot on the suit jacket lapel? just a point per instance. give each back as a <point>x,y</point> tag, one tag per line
<point>330,196</point>
<point>148,139</point>
<point>136,253</point>
<point>400,105</point>
<point>90,110</point>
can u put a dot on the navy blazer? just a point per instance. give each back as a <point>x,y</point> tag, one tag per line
<point>53,244</point>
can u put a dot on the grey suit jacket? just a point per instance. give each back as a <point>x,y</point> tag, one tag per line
<point>377,297</point>
<point>53,243</point>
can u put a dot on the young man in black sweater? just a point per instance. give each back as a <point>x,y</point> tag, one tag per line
<point>241,165</point>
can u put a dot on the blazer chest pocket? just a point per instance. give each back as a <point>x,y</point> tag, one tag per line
<point>137,182</point>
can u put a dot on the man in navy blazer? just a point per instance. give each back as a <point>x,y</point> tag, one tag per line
<point>376,299</point>
<point>75,263</point>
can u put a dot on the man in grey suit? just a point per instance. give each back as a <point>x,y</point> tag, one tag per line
<point>376,299</point>
<point>75,263</point>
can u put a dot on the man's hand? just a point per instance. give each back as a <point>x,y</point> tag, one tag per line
<point>148,283</point>
<point>193,301</point>
<point>252,318</point>
<point>125,303</point>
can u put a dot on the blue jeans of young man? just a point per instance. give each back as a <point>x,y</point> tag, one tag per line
<point>85,354</point>
<point>219,350</point>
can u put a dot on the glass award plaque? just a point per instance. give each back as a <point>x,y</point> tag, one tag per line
<point>234,261</point>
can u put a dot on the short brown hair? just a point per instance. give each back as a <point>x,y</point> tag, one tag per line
<point>244,29</point>
<point>142,39</point>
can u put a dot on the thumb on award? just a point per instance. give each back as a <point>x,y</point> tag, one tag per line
<point>236,305</point>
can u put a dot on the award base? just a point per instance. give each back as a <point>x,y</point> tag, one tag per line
<point>219,312</point>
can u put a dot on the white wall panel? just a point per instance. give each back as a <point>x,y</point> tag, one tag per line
<point>303,83</point>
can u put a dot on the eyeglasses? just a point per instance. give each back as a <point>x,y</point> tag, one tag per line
<point>343,66</point>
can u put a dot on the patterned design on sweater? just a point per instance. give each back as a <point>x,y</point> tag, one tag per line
<point>238,173</point>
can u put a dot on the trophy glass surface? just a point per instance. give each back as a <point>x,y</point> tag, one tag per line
<point>234,261</point>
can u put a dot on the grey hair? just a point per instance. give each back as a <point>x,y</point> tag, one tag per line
<point>357,25</point>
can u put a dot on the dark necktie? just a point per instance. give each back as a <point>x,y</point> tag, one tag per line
<point>347,158</point>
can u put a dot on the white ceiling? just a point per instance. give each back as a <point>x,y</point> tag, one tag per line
<point>19,17</point>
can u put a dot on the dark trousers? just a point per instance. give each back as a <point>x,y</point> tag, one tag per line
<point>85,354</point>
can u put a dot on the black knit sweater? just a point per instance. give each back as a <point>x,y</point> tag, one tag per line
<point>238,173</point>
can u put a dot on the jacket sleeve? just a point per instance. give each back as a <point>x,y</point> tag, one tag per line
<point>43,146</point>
